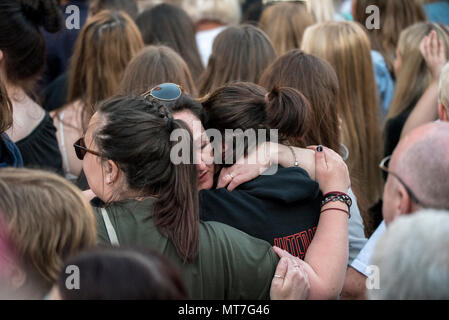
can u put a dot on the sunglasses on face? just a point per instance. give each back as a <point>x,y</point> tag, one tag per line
<point>81,150</point>
<point>165,92</point>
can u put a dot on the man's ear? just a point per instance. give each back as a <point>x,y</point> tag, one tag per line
<point>405,201</point>
<point>442,113</point>
<point>112,172</point>
<point>1,55</point>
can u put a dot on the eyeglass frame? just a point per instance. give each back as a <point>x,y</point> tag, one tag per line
<point>77,145</point>
<point>150,93</point>
<point>385,169</point>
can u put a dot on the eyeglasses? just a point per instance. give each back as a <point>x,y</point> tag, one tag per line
<point>165,92</point>
<point>384,166</point>
<point>81,150</point>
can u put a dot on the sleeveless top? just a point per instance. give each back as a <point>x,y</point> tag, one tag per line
<point>40,148</point>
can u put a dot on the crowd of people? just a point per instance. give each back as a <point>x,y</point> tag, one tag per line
<point>313,150</point>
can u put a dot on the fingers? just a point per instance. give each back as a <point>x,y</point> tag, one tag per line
<point>280,273</point>
<point>224,178</point>
<point>434,43</point>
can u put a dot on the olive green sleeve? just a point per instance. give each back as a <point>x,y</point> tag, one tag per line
<point>249,264</point>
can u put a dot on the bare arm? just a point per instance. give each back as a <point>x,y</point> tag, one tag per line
<point>426,110</point>
<point>260,160</point>
<point>327,256</point>
<point>355,285</point>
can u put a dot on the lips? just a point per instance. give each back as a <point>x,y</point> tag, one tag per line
<point>202,176</point>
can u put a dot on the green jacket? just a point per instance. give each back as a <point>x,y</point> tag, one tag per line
<point>231,265</point>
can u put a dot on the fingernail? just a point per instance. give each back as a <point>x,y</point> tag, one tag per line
<point>319,149</point>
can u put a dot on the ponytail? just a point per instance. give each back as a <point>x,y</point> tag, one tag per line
<point>136,135</point>
<point>176,212</point>
<point>288,110</point>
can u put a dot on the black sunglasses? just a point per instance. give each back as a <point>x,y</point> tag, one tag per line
<point>81,149</point>
<point>165,92</point>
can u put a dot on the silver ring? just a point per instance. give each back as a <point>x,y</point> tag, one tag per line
<point>231,176</point>
<point>276,276</point>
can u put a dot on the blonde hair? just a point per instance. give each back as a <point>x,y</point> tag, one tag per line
<point>285,23</point>
<point>444,87</point>
<point>323,10</point>
<point>414,76</point>
<point>47,219</point>
<point>106,44</point>
<point>347,48</point>
<point>226,12</point>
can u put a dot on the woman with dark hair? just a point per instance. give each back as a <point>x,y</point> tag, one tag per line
<point>9,153</point>
<point>169,25</point>
<point>240,53</point>
<point>149,276</point>
<point>317,80</point>
<point>22,59</point>
<point>154,202</point>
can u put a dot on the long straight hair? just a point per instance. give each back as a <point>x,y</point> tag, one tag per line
<point>285,23</point>
<point>347,48</point>
<point>106,44</point>
<point>414,76</point>
<point>395,16</point>
<point>317,80</point>
<point>169,25</point>
<point>239,53</point>
<point>155,65</point>
<point>146,162</point>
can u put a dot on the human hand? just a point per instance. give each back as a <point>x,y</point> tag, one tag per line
<point>246,169</point>
<point>331,172</point>
<point>290,281</point>
<point>434,53</point>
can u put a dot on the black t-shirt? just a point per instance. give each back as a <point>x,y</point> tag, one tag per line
<point>282,209</point>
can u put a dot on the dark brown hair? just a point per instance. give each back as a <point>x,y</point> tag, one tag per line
<point>169,25</point>
<point>244,105</point>
<point>149,276</point>
<point>145,160</point>
<point>395,16</point>
<point>21,38</point>
<point>317,80</point>
<point>5,109</point>
<point>155,65</point>
<point>239,53</point>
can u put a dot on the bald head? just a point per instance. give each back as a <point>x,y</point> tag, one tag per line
<point>422,161</point>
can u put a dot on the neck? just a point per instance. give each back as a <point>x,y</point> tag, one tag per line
<point>15,92</point>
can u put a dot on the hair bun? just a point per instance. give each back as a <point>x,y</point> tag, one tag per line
<point>44,13</point>
<point>274,93</point>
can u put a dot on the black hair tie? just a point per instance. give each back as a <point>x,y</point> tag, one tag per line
<point>170,124</point>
